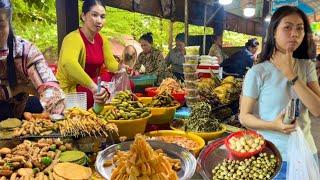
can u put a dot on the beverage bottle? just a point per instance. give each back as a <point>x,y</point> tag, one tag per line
<point>97,107</point>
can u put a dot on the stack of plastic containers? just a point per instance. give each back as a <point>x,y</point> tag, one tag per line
<point>191,76</point>
<point>77,99</point>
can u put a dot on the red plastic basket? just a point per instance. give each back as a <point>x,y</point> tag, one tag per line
<point>179,96</point>
<point>151,91</point>
<point>240,134</point>
<point>139,94</point>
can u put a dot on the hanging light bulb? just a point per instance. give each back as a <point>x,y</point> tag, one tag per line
<point>225,2</point>
<point>249,11</point>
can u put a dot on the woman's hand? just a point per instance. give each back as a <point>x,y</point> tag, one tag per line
<point>284,62</point>
<point>279,126</point>
<point>102,96</point>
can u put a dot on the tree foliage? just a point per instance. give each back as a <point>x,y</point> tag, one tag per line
<point>36,22</point>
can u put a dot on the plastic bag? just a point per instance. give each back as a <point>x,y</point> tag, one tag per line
<point>121,81</point>
<point>302,164</point>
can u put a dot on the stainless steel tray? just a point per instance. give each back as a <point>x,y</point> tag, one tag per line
<point>215,152</point>
<point>188,161</point>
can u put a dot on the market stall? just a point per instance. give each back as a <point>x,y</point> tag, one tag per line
<point>107,145</point>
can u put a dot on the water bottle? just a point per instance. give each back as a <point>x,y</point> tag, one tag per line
<point>97,107</point>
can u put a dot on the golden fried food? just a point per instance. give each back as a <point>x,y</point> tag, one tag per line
<point>79,122</point>
<point>78,172</point>
<point>142,162</point>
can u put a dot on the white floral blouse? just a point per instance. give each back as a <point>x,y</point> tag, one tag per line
<point>33,76</point>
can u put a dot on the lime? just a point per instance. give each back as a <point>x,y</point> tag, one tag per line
<point>46,161</point>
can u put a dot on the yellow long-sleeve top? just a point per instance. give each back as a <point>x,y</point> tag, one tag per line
<point>72,62</point>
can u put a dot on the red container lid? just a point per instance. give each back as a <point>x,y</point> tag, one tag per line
<point>208,66</point>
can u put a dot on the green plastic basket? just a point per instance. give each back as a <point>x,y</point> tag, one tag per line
<point>144,80</point>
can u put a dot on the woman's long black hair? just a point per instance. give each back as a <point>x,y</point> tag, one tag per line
<point>87,5</point>
<point>270,45</point>
<point>11,70</point>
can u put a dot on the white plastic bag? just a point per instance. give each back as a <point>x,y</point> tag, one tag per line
<point>121,81</point>
<point>302,164</point>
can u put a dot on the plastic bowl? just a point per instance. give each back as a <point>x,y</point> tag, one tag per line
<point>189,68</point>
<point>139,94</point>
<point>191,76</point>
<point>144,80</point>
<point>238,135</point>
<point>207,136</point>
<point>192,50</point>
<point>130,128</point>
<point>191,84</point>
<point>179,96</point>
<point>151,91</point>
<point>190,101</point>
<point>191,59</point>
<point>201,143</point>
<point>192,92</point>
<point>160,115</point>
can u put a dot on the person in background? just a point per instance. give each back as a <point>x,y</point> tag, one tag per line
<point>82,54</point>
<point>24,72</point>
<point>318,66</point>
<point>151,59</point>
<point>284,72</point>
<point>238,63</point>
<point>129,57</point>
<point>175,58</point>
<point>216,48</point>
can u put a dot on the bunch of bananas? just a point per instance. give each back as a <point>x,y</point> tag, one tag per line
<point>206,86</point>
<point>229,90</point>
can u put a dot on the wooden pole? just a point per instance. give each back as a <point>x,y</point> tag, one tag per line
<point>204,30</point>
<point>186,22</point>
<point>67,18</point>
<point>170,35</point>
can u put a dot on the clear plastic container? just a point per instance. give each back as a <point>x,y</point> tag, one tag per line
<point>191,59</point>
<point>192,92</point>
<point>190,101</point>
<point>77,99</point>
<point>192,50</point>
<point>189,68</point>
<point>191,84</point>
<point>191,76</point>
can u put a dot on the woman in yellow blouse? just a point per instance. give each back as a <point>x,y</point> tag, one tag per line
<point>83,52</point>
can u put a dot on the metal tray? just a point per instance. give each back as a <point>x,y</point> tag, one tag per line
<point>188,161</point>
<point>215,152</point>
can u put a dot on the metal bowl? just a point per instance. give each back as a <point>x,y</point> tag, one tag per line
<point>188,161</point>
<point>216,152</point>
